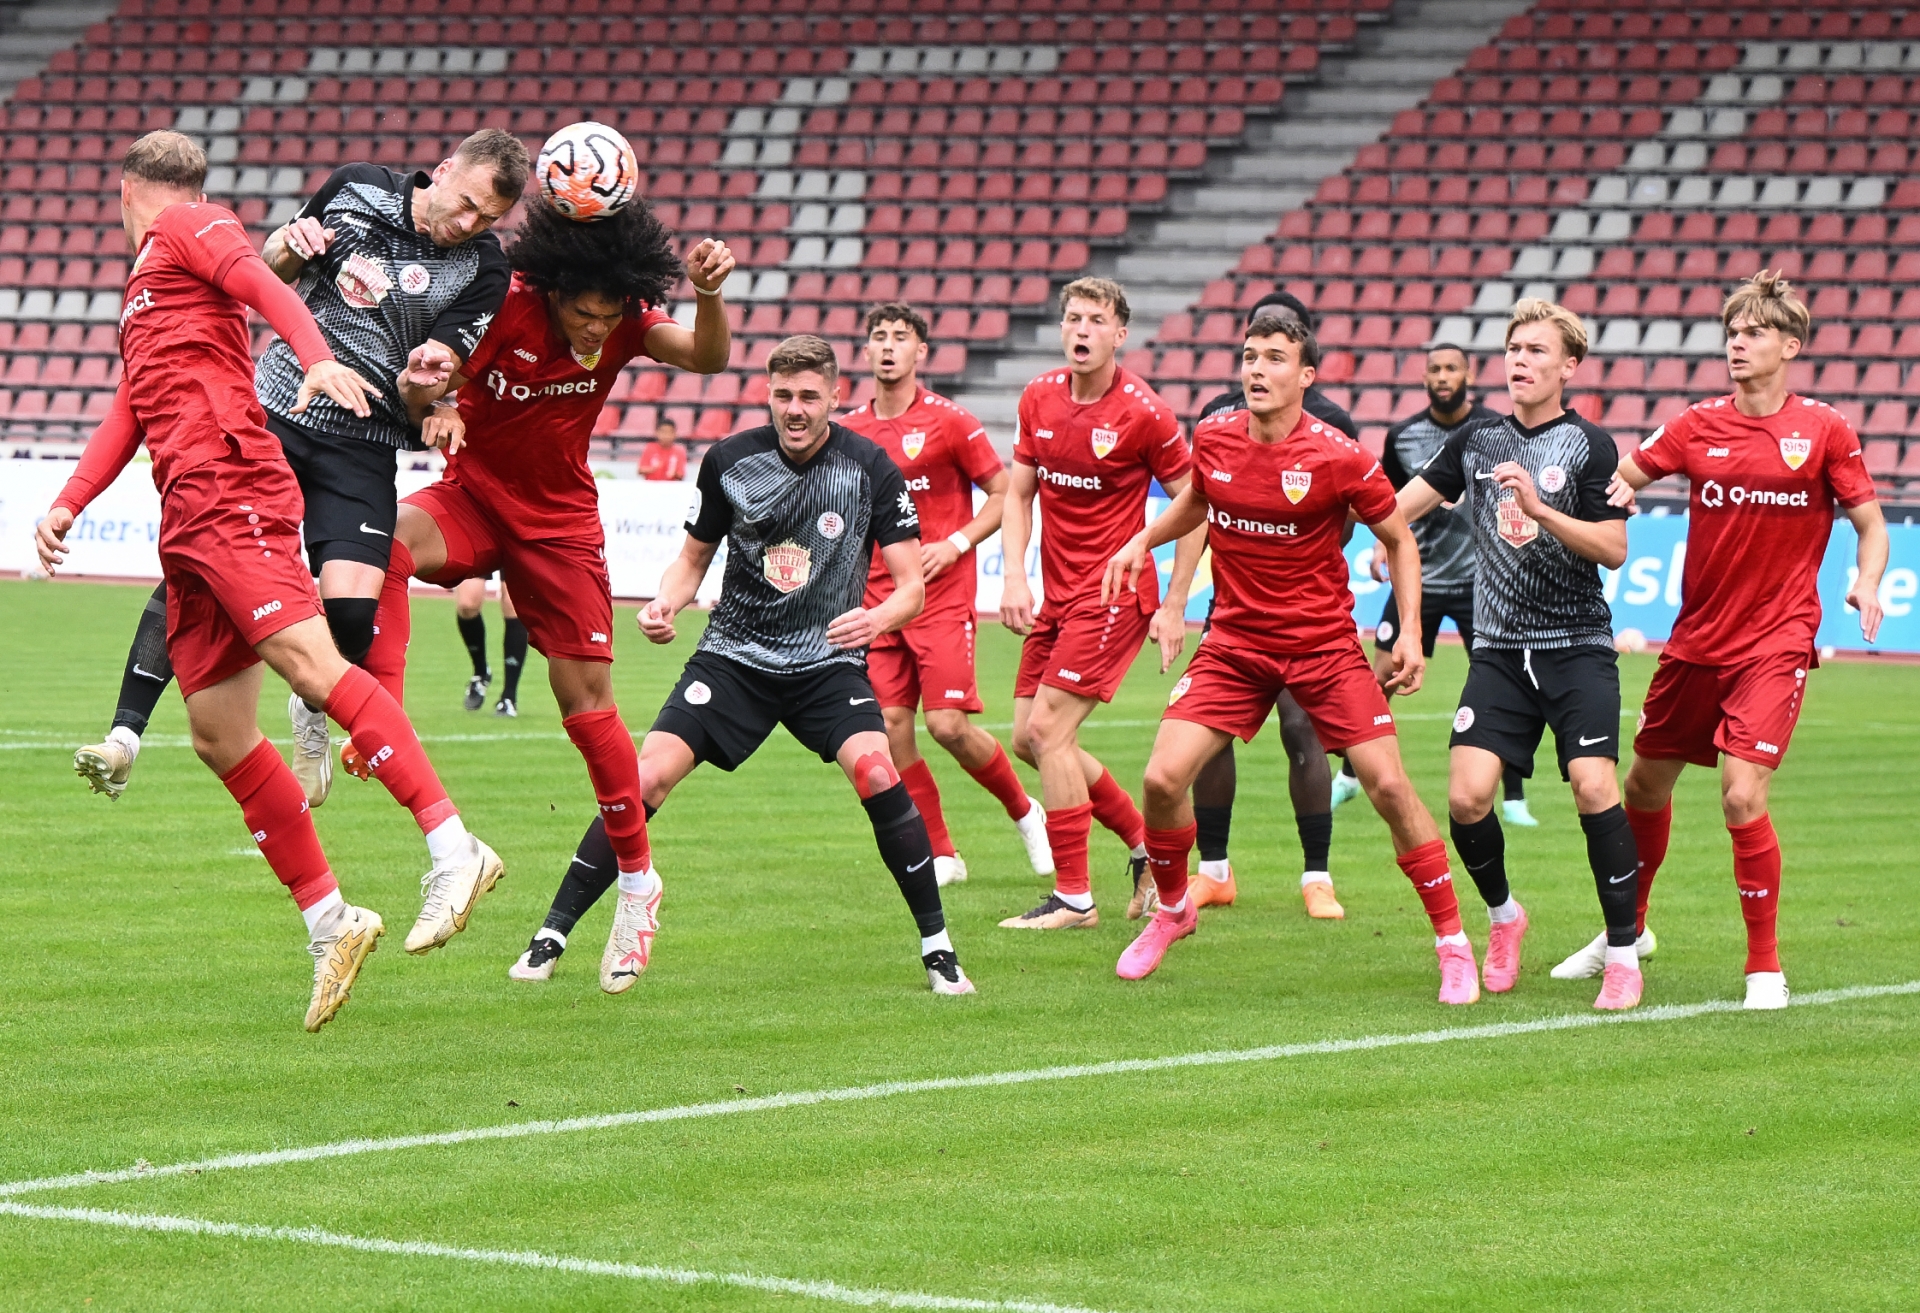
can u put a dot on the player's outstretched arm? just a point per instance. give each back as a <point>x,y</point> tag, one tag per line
<point>1628,479</point>
<point>1403,569</point>
<point>704,348</point>
<point>1418,499</point>
<point>679,582</point>
<point>859,627</point>
<point>1016,531</point>
<point>1871,558</point>
<point>1169,625</point>
<point>1185,516</point>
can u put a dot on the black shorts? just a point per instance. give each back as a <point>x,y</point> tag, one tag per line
<point>1512,694</point>
<point>724,710</point>
<point>1434,607</point>
<point>348,485</point>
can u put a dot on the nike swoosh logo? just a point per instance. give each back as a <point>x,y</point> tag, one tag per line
<point>917,865</point>
<point>1478,475</point>
<point>854,702</point>
<point>1587,742</point>
<point>148,674</point>
<point>578,862</point>
<point>1620,879</point>
<point>368,528</point>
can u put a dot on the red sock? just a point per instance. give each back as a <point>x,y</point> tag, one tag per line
<point>997,778</point>
<point>1067,829</point>
<point>1756,869</point>
<point>614,768</point>
<point>926,796</point>
<point>1167,852</point>
<point>1650,831</point>
<point>387,743</point>
<point>277,816</point>
<point>392,627</point>
<point>1426,866</point>
<point>1115,810</point>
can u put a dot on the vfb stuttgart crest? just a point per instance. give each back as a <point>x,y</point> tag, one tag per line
<point>1516,526</point>
<point>913,444</point>
<point>1795,450</point>
<point>787,567</point>
<point>1104,441</point>
<point>1295,484</point>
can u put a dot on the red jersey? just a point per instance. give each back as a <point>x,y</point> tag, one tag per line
<point>1275,516</point>
<point>943,451</point>
<point>529,406</point>
<point>1096,461</point>
<point>1759,515</point>
<point>660,464</point>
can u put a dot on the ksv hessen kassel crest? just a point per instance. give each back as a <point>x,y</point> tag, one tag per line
<point>1795,450</point>
<point>1104,441</point>
<point>1295,484</point>
<point>1515,525</point>
<point>787,567</point>
<point>913,444</point>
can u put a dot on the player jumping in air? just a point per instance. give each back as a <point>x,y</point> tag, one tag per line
<point>1277,486</point>
<point>1533,487</point>
<point>229,547</point>
<point>1766,468</point>
<point>519,497</point>
<point>1092,437</point>
<point>944,454</point>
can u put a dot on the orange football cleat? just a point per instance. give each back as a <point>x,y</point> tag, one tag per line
<point>353,763</point>
<point>1321,904</point>
<point>1209,892</point>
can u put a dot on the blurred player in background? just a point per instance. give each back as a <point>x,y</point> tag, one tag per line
<point>1765,469</point>
<point>468,597</point>
<point>944,454</point>
<point>664,460</point>
<point>1092,439</point>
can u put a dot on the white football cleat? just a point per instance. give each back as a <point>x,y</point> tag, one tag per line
<point>106,765</point>
<point>949,870</point>
<point>1592,960</point>
<point>636,920</point>
<point>1033,833</point>
<point>944,975</point>
<point>337,958</point>
<point>1766,991</point>
<point>537,962</point>
<point>450,892</point>
<point>312,758</point>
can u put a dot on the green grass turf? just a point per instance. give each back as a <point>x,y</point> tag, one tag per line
<point>154,982</point>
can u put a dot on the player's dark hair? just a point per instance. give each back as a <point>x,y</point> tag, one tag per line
<point>171,159</point>
<point>1286,301</point>
<point>504,153</point>
<point>898,312</point>
<point>1449,346</point>
<point>627,256</point>
<point>1271,325</point>
<point>803,353</point>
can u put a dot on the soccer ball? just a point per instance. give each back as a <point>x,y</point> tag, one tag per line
<point>1630,640</point>
<point>587,171</point>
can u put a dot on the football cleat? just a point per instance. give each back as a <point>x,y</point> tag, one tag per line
<point>1345,788</point>
<point>1144,955</point>
<point>1503,952</point>
<point>477,691</point>
<point>1514,811</point>
<point>1766,991</point>
<point>1621,990</point>
<point>1321,904</point>
<point>312,750</point>
<point>1033,833</point>
<point>337,957</point>
<point>636,920</point>
<point>1459,980</point>
<point>450,892</point>
<point>1591,960</point>
<point>949,870</point>
<point>1146,896</point>
<point>944,975</point>
<point>537,962</point>
<point>1053,914</point>
<point>1208,891</point>
<point>353,763</point>
<point>106,765</point>
<point>505,707</point>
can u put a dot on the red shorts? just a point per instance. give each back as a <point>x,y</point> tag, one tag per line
<point>1233,690</point>
<point>1086,649</point>
<point>230,552</point>
<point>559,585</point>
<point>929,664</point>
<point>1694,713</point>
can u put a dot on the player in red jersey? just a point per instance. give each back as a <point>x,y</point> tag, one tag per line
<point>519,497</point>
<point>230,549</point>
<point>1276,488</point>
<point>1092,438</point>
<point>1766,469</point>
<point>944,454</point>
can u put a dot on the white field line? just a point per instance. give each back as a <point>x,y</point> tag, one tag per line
<point>831,1291</point>
<point>891,1089</point>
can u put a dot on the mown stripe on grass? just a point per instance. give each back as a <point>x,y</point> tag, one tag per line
<point>832,1291</point>
<point>889,1089</point>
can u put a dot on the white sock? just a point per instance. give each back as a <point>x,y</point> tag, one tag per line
<point>447,841</point>
<point>126,738</point>
<point>1626,957</point>
<point>1507,911</point>
<point>548,932</point>
<point>1216,870</point>
<point>1455,941</point>
<point>639,882</point>
<point>1078,902</point>
<point>1175,909</point>
<point>1315,877</point>
<point>935,943</point>
<point>321,910</point>
<point>1138,851</point>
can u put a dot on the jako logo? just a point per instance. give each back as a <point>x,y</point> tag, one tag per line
<point>261,612</point>
<point>1059,480</point>
<point>1074,675</point>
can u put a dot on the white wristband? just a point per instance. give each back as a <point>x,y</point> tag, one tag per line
<point>961,543</point>
<point>701,291</point>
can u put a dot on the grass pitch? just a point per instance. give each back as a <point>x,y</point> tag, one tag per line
<point>154,983</point>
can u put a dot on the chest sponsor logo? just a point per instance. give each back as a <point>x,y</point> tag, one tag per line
<point>1553,478</point>
<point>1227,520</point>
<point>362,281</point>
<point>922,484</point>
<point>1090,482</point>
<point>140,300</point>
<point>830,524</point>
<point>913,444</point>
<point>1713,496</point>
<point>502,388</point>
<point>1515,525</point>
<point>1795,450</point>
<point>787,567</point>
<point>1295,484</point>
<point>1104,441</point>
<point>414,279</point>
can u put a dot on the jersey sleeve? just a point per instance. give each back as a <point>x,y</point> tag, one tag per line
<point>973,451</point>
<point>1025,419</point>
<point>711,515</point>
<point>1846,467</point>
<point>249,281</point>
<point>316,206</point>
<point>1369,491</point>
<point>1603,458</point>
<point>208,241</point>
<point>1390,462</point>
<point>634,332</point>
<point>1167,454</point>
<point>462,324</point>
<point>1446,471</point>
<point>893,515</point>
<point>1665,450</point>
<point>107,453</point>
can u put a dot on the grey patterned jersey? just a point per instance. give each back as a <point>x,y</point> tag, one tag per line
<point>799,542</point>
<point>1444,537</point>
<point>1529,590</point>
<point>381,289</point>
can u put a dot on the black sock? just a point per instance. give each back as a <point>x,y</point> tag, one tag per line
<point>514,645</point>
<point>1482,846</point>
<point>1616,864</point>
<point>1513,788</point>
<point>473,632</point>
<point>1316,838</point>
<point>589,875</point>
<point>1212,826</point>
<point>902,838</point>
<point>1346,768</point>
<point>148,671</point>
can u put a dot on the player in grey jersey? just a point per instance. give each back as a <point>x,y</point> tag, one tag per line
<point>1533,487</point>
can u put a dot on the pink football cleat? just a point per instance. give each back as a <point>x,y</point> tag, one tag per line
<point>1459,977</point>
<point>1143,954</point>
<point>1503,953</point>
<point>1621,989</point>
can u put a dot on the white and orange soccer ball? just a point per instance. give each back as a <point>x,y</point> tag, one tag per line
<point>1630,640</point>
<point>587,171</point>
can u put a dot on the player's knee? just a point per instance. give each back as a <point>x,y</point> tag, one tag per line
<point>873,774</point>
<point>949,730</point>
<point>1743,801</point>
<point>1164,785</point>
<point>1596,794</point>
<point>1046,736</point>
<point>1466,805</point>
<point>1643,794</point>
